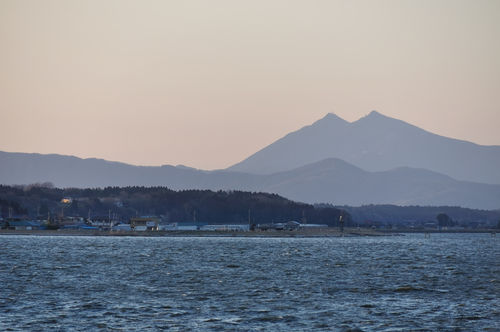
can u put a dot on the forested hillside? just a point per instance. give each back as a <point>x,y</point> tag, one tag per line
<point>222,207</point>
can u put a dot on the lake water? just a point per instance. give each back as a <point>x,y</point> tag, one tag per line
<point>445,282</point>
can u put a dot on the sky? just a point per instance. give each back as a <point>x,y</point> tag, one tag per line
<point>208,83</point>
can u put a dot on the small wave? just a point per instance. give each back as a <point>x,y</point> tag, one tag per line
<point>442,290</point>
<point>212,320</point>
<point>269,318</point>
<point>403,289</point>
<point>469,318</point>
<point>233,320</point>
<point>92,305</point>
<point>178,313</point>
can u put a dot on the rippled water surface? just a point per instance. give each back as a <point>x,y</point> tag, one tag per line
<point>445,282</point>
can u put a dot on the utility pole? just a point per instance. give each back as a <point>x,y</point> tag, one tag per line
<point>249,220</point>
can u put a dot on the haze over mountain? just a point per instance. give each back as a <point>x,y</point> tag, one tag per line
<point>329,181</point>
<point>376,143</point>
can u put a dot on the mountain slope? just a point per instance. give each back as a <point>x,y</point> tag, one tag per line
<point>335,181</point>
<point>329,181</point>
<point>69,171</point>
<point>376,143</point>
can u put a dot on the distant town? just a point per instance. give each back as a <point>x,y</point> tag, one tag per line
<point>42,207</point>
<point>156,209</point>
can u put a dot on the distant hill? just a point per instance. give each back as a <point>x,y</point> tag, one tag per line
<point>69,171</point>
<point>338,182</point>
<point>328,181</point>
<point>376,143</point>
<point>419,215</point>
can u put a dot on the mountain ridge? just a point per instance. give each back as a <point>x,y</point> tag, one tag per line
<point>329,181</point>
<point>374,160</point>
<point>376,142</point>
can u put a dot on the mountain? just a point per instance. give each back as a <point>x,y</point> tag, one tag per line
<point>330,181</point>
<point>376,143</point>
<point>340,183</point>
<point>69,171</point>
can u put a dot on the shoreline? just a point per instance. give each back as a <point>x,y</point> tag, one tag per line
<point>319,233</point>
<point>447,231</point>
<point>248,234</point>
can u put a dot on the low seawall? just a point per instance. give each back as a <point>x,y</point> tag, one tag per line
<point>323,232</point>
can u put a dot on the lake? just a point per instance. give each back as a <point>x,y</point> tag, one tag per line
<point>445,282</point>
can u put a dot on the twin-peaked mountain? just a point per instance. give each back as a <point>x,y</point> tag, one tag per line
<point>396,163</point>
<point>376,143</point>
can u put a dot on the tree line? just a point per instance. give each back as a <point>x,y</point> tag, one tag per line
<point>122,203</point>
<point>420,215</point>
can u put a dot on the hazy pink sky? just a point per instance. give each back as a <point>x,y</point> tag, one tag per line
<point>207,83</point>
